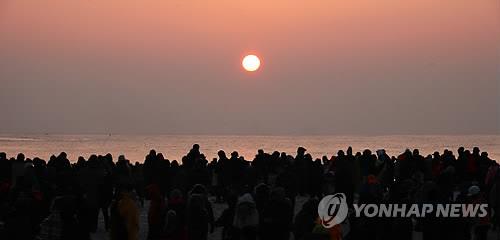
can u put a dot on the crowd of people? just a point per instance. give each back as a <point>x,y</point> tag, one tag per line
<point>61,199</point>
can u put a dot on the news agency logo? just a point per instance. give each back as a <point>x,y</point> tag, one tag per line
<point>332,210</point>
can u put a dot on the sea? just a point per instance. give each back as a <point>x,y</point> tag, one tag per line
<point>173,147</point>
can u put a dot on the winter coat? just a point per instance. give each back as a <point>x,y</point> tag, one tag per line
<point>124,219</point>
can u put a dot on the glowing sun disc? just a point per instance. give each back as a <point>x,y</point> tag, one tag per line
<point>251,63</point>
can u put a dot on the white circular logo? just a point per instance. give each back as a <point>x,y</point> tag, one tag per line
<point>332,210</point>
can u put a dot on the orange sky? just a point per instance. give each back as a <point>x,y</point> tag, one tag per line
<point>151,26</point>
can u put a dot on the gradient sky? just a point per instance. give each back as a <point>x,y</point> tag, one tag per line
<point>173,67</point>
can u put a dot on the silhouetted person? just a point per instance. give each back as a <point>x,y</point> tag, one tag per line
<point>480,225</point>
<point>177,212</point>
<point>5,169</point>
<point>260,164</point>
<point>345,175</point>
<point>18,169</point>
<point>21,220</point>
<point>277,217</point>
<point>301,170</point>
<point>192,156</point>
<point>62,222</point>
<point>306,219</point>
<point>288,182</point>
<point>91,180</point>
<point>156,212</point>
<point>124,216</point>
<point>223,174</point>
<point>197,217</point>
<point>246,218</point>
<point>227,218</point>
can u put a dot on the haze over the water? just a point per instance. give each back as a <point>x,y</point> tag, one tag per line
<point>174,67</point>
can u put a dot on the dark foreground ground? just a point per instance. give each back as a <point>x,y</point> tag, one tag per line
<point>101,234</point>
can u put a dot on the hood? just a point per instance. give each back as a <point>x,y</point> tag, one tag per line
<point>246,198</point>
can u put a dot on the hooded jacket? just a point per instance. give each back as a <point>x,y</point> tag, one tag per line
<point>246,214</point>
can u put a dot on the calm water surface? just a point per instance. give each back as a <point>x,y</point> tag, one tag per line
<point>135,147</point>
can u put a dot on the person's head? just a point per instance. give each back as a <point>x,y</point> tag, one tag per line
<point>109,157</point>
<point>28,163</point>
<point>221,154</point>
<point>340,153</point>
<point>301,150</point>
<point>121,158</point>
<point>475,151</point>
<point>416,152</point>
<point>467,153</point>
<point>198,189</point>
<point>260,152</point>
<point>234,154</point>
<point>367,152</point>
<point>152,152</point>
<point>3,156</point>
<point>93,161</point>
<point>245,207</point>
<point>63,155</point>
<point>37,162</point>
<point>461,150</point>
<point>447,152</point>
<point>81,161</point>
<point>196,147</point>
<point>20,157</point>
<point>174,164</point>
<point>349,151</point>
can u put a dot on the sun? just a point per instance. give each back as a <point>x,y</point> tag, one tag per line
<point>251,63</point>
